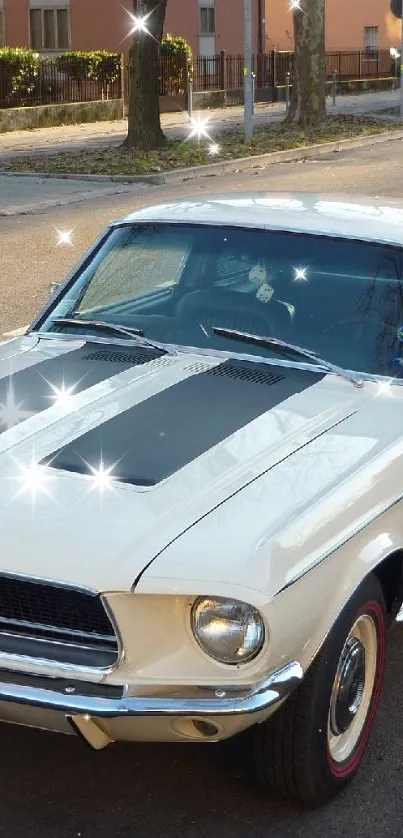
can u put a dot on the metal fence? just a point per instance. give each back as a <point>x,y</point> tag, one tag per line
<point>349,66</point>
<point>57,81</point>
<point>54,81</point>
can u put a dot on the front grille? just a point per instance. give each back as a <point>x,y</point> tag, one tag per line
<point>56,623</point>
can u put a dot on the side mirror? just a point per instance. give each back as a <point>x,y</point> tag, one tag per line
<point>53,288</point>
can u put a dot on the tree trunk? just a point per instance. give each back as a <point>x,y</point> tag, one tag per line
<point>308,98</point>
<point>144,125</point>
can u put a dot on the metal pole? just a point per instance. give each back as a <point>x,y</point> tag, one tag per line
<point>190,97</point>
<point>253,92</point>
<point>247,71</point>
<point>401,75</point>
<point>334,86</point>
<point>287,91</point>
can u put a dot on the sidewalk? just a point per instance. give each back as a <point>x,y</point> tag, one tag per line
<point>96,135</point>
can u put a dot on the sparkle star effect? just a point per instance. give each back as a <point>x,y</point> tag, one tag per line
<point>64,237</point>
<point>11,411</point>
<point>102,478</point>
<point>295,6</point>
<point>62,395</point>
<point>34,480</point>
<point>139,24</point>
<point>300,275</point>
<point>198,128</point>
<point>385,387</point>
<point>214,148</point>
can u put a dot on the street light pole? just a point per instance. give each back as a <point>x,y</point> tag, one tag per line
<point>247,71</point>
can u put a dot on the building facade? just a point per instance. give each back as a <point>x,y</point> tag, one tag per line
<point>209,25</point>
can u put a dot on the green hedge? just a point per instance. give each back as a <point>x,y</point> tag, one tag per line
<point>19,71</point>
<point>21,79</point>
<point>23,75</point>
<point>177,56</point>
<point>175,45</point>
<point>99,65</point>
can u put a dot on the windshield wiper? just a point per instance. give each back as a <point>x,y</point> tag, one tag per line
<point>128,331</point>
<point>288,349</point>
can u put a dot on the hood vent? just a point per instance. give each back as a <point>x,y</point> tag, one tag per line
<point>132,358</point>
<point>246,373</point>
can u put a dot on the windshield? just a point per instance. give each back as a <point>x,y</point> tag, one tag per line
<point>339,298</point>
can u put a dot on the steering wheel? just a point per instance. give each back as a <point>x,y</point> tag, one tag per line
<point>232,310</point>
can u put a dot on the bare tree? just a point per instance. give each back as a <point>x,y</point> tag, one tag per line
<point>308,99</point>
<point>144,124</point>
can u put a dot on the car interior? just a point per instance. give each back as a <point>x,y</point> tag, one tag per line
<point>336,298</point>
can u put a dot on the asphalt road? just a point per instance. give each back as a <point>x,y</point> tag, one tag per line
<point>30,257</point>
<point>51,786</point>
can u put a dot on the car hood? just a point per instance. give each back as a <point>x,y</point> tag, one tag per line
<point>109,453</point>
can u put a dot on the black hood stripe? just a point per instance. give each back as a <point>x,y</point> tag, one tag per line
<point>30,391</point>
<point>154,439</point>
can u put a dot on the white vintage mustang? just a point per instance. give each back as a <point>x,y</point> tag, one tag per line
<point>201,491</point>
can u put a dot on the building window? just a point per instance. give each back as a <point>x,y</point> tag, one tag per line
<point>371,42</point>
<point>207,20</point>
<point>49,29</point>
<point>2,33</point>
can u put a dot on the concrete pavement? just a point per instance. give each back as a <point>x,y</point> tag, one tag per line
<point>96,135</point>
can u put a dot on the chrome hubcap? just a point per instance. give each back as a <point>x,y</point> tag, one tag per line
<point>349,686</point>
<point>352,689</point>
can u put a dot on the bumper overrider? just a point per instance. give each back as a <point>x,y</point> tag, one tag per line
<point>101,713</point>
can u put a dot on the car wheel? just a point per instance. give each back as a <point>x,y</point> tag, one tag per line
<point>313,745</point>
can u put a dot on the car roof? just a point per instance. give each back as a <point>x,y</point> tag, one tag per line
<point>356,217</point>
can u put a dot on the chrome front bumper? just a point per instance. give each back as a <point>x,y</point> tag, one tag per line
<point>90,708</point>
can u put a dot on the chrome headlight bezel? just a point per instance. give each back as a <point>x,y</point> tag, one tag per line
<point>251,624</point>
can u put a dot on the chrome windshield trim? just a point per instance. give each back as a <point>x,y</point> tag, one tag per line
<point>179,349</point>
<point>275,688</point>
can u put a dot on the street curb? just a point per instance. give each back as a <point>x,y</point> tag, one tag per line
<point>239,164</point>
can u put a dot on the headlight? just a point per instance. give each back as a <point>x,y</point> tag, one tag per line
<point>229,631</point>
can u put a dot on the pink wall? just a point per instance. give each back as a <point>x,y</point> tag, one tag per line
<point>229,25</point>
<point>103,24</point>
<point>99,24</point>
<point>182,18</point>
<point>345,22</point>
<point>16,22</point>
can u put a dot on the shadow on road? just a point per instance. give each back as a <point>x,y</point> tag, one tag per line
<point>53,787</point>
